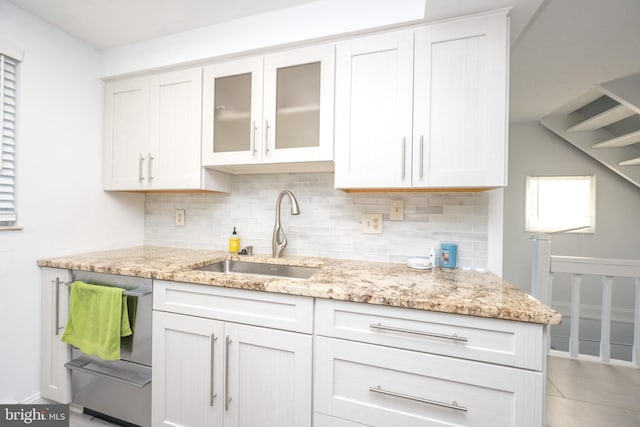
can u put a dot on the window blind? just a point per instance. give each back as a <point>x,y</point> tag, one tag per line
<point>7,139</point>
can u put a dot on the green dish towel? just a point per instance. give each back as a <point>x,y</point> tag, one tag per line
<point>98,317</point>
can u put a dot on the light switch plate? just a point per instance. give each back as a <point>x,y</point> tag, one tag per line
<point>372,223</point>
<point>179,217</point>
<point>396,212</point>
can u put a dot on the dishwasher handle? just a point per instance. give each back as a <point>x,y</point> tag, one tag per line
<point>83,364</point>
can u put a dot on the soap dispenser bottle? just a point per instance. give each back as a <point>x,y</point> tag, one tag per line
<point>234,242</point>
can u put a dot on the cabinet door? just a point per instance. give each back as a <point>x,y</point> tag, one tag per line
<point>54,377</point>
<point>373,111</point>
<point>298,105</point>
<point>126,134</point>
<point>187,371</point>
<point>269,377</point>
<point>232,113</point>
<point>460,115</point>
<point>174,152</point>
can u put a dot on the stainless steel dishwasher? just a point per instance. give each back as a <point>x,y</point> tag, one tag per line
<point>118,389</point>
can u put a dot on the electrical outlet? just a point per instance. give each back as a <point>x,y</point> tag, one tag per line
<point>180,217</point>
<point>396,213</point>
<point>372,223</point>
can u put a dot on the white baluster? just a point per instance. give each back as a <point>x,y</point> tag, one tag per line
<point>574,335</point>
<point>636,328</point>
<point>549,295</point>
<point>605,334</point>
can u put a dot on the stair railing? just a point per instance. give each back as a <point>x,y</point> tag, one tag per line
<point>545,266</point>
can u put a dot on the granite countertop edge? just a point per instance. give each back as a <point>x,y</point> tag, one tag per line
<point>480,294</point>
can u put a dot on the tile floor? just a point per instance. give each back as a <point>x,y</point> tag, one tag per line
<point>589,394</point>
<point>84,420</point>
<point>579,394</point>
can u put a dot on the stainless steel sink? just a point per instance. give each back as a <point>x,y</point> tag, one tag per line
<point>261,269</point>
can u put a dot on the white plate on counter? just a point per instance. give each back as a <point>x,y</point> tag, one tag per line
<point>419,263</point>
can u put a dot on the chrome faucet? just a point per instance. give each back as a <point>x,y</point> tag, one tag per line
<point>279,241</point>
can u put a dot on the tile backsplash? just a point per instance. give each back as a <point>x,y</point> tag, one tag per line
<point>329,224</point>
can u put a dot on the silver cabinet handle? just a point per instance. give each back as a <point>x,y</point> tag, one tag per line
<point>421,156</point>
<point>404,155</point>
<point>140,163</point>
<point>266,137</point>
<point>452,405</point>
<point>453,337</point>
<point>57,282</point>
<point>150,168</point>
<point>227,398</point>
<point>253,139</point>
<point>212,394</point>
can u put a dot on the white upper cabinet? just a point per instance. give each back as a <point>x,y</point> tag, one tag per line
<point>152,133</point>
<point>460,103</point>
<point>126,133</point>
<point>232,112</point>
<point>374,83</point>
<point>424,108</point>
<point>273,109</point>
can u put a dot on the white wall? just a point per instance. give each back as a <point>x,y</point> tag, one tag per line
<point>60,201</point>
<point>533,150</point>
<point>305,22</point>
<point>329,224</point>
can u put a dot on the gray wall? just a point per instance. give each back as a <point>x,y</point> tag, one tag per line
<point>60,202</point>
<point>533,150</point>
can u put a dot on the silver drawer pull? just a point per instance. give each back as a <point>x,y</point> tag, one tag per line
<point>212,394</point>
<point>254,128</point>
<point>140,163</point>
<point>57,282</point>
<point>452,405</point>
<point>150,168</point>
<point>404,155</point>
<point>227,398</point>
<point>453,337</point>
<point>266,137</point>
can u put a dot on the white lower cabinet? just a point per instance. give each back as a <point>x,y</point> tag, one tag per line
<point>187,383</point>
<point>381,386</point>
<point>209,372</point>
<point>234,357</point>
<point>386,367</point>
<point>54,377</point>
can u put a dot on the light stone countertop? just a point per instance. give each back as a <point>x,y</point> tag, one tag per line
<point>392,284</point>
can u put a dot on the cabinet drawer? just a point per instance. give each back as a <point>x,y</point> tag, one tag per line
<point>503,342</point>
<point>286,312</point>
<point>382,386</point>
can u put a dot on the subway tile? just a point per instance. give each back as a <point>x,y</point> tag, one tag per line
<point>330,220</point>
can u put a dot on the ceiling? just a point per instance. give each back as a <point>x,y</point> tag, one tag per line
<point>559,50</point>
<point>105,24</point>
<point>109,23</point>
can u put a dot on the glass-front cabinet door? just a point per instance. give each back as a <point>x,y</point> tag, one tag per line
<point>232,112</point>
<point>298,105</point>
<point>276,108</point>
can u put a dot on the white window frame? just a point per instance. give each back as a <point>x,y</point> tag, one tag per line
<point>10,57</point>
<point>544,212</point>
